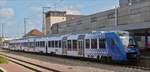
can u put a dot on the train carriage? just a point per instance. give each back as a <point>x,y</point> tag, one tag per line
<point>14,45</point>
<point>40,44</point>
<point>23,43</point>
<point>114,45</point>
<point>71,46</point>
<point>96,45</point>
<point>54,45</point>
<point>30,47</point>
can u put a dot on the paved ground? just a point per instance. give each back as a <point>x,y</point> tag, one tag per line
<point>12,67</point>
<point>60,67</point>
<point>77,64</point>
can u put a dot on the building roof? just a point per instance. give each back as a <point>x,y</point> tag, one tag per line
<point>55,13</point>
<point>34,32</point>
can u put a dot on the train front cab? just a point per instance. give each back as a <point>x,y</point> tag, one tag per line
<point>133,53</point>
<point>123,47</point>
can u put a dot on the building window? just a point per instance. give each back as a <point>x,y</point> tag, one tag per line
<point>93,19</point>
<point>68,24</point>
<point>79,22</point>
<point>111,15</point>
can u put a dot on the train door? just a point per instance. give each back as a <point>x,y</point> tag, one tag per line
<point>46,46</point>
<point>81,47</point>
<point>64,46</point>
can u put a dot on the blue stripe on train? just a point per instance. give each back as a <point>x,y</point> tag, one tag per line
<point>117,51</point>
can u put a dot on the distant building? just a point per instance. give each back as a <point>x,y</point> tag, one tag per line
<point>53,17</point>
<point>132,15</point>
<point>34,32</point>
<point>131,2</point>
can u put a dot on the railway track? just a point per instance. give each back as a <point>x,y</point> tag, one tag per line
<point>30,65</point>
<point>133,66</point>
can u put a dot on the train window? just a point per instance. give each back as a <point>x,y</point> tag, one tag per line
<point>38,44</point>
<point>43,43</point>
<point>87,43</point>
<point>94,43</point>
<point>52,44</point>
<point>35,44</point>
<point>74,44</point>
<point>32,44</point>
<point>28,44</point>
<point>49,43</point>
<point>59,43</point>
<point>69,44</point>
<point>56,43</point>
<point>102,43</point>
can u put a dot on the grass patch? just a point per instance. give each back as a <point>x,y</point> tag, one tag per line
<point>3,60</point>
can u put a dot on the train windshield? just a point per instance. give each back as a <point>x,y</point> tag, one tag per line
<point>128,41</point>
<point>132,43</point>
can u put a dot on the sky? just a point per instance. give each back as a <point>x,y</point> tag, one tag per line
<point>13,12</point>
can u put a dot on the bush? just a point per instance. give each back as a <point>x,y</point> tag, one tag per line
<point>3,60</point>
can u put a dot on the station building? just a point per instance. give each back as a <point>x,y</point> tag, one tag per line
<point>131,15</point>
<point>53,17</point>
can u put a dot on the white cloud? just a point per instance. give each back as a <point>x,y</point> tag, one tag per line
<point>7,12</point>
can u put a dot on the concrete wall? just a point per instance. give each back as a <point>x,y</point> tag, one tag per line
<point>53,18</point>
<point>128,18</point>
<point>131,2</point>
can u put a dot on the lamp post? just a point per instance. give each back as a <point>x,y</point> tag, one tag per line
<point>116,18</point>
<point>2,27</point>
<point>43,14</point>
<point>25,25</point>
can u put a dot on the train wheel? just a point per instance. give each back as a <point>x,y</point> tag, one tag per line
<point>103,59</point>
<point>108,59</point>
<point>98,58</point>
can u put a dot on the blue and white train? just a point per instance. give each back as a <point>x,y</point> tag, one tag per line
<point>117,45</point>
